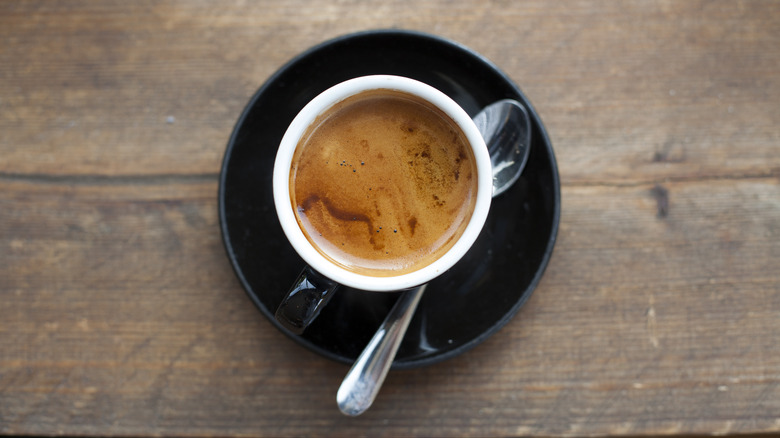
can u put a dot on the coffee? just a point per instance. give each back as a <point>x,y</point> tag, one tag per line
<point>383,183</point>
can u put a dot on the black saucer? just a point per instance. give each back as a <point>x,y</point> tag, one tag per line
<point>465,305</point>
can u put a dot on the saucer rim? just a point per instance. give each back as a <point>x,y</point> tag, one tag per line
<point>543,261</point>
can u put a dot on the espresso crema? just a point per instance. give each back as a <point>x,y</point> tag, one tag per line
<point>383,183</point>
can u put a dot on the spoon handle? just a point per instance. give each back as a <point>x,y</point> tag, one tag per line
<point>365,378</point>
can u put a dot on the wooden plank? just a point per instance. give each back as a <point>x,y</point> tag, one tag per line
<point>638,90</point>
<point>122,316</point>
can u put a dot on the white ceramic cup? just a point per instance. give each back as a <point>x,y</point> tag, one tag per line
<point>334,273</point>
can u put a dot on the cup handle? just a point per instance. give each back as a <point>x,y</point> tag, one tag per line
<point>308,295</point>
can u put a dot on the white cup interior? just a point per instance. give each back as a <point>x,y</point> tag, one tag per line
<point>281,181</point>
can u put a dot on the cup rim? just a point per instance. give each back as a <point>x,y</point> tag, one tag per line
<point>322,103</point>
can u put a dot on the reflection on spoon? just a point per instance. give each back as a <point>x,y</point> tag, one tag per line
<point>506,128</point>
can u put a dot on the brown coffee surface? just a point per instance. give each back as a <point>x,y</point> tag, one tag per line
<point>383,183</point>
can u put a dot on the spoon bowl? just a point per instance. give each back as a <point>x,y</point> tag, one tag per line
<point>506,128</point>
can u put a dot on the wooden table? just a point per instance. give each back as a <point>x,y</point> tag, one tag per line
<point>658,314</point>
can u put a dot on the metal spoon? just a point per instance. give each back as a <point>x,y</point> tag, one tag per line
<point>506,128</point>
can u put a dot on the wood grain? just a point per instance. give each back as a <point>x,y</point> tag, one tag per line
<point>658,315</point>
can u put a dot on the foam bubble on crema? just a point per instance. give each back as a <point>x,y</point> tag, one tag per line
<point>383,183</point>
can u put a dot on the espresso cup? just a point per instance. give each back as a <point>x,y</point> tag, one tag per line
<point>381,183</point>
